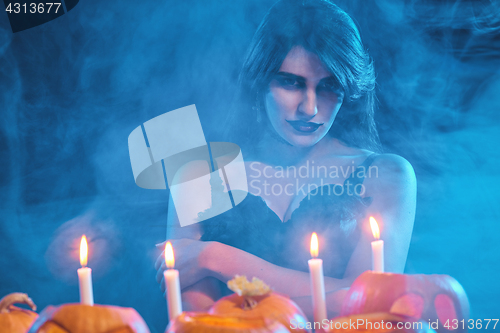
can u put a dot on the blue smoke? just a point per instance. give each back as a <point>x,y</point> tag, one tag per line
<point>74,88</point>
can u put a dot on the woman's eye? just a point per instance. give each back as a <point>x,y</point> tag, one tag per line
<point>330,86</point>
<point>289,83</point>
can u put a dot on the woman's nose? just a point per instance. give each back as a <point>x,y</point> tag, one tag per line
<point>308,108</point>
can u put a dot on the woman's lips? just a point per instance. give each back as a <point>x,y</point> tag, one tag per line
<point>303,126</point>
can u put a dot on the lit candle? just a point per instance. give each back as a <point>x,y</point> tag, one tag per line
<point>85,275</point>
<point>317,282</point>
<point>172,285</point>
<point>377,247</point>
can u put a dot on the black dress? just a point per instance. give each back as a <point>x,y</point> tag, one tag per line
<point>335,213</point>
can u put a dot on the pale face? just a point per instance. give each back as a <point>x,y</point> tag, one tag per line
<point>303,99</point>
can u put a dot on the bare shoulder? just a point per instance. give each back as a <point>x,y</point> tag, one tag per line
<point>391,172</point>
<point>394,164</point>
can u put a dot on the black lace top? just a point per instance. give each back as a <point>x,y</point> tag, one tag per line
<point>333,214</point>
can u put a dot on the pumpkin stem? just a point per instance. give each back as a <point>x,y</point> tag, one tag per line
<point>241,286</point>
<point>14,298</point>
<point>248,303</point>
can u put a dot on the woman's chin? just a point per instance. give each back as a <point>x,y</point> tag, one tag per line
<point>303,141</point>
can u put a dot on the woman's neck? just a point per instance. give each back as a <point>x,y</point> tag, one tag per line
<point>274,150</point>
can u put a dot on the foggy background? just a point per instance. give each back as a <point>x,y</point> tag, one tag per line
<point>73,89</point>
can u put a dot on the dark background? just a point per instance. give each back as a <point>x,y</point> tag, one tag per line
<point>72,90</point>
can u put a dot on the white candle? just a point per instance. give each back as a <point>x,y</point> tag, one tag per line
<point>378,255</point>
<point>377,247</point>
<point>317,282</point>
<point>85,282</point>
<point>85,275</point>
<point>172,284</point>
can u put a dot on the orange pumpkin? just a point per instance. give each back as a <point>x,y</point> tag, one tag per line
<point>196,322</point>
<point>79,318</point>
<point>377,322</point>
<point>428,297</point>
<point>254,299</point>
<point>14,319</point>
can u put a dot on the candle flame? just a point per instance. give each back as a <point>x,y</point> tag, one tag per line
<point>83,251</point>
<point>375,229</point>
<point>314,245</point>
<point>169,256</point>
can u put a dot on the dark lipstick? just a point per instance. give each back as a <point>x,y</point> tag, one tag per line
<point>304,126</point>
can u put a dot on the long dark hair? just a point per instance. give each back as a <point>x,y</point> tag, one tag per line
<point>326,30</point>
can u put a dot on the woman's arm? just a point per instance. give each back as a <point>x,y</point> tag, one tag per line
<point>391,183</point>
<point>223,262</point>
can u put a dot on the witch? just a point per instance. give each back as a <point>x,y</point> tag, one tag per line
<point>307,94</point>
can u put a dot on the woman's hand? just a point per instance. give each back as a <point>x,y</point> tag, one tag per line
<point>189,261</point>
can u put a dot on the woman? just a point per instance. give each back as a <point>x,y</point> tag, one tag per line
<point>310,87</point>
